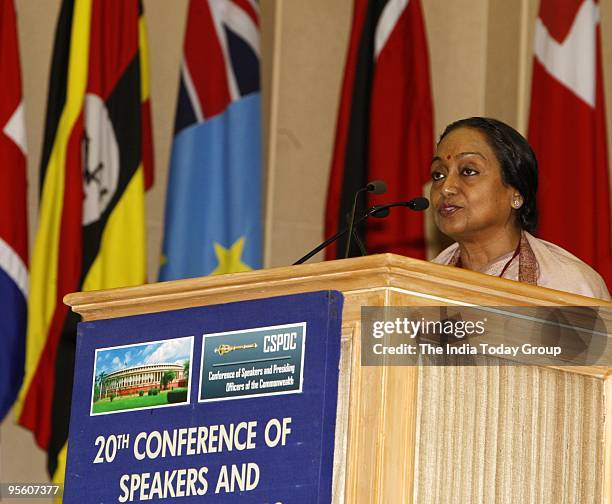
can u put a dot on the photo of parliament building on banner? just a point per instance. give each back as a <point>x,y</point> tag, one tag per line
<point>142,376</point>
<point>134,379</point>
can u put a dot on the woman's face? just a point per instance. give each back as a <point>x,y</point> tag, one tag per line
<point>467,192</point>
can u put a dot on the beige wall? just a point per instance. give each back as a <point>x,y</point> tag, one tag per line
<point>480,53</point>
<point>310,46</point>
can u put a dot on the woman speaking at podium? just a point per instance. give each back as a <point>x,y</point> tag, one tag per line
<point>484,183</point>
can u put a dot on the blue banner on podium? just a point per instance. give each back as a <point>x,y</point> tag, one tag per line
<point>215,403</point>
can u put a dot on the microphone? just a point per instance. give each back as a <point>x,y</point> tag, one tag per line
<point>375,187</point>
<point>417,204</point>
<point>377,211</point>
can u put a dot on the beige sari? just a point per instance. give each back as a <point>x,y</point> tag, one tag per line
<point>541,263</point>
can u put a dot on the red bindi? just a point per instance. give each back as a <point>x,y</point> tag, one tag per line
<point>448,157</point>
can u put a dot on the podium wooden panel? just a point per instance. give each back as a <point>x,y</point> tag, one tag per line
<point>430,434</point>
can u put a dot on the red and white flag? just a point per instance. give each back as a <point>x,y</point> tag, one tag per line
<point>567,129</point>
<point>384,129</point>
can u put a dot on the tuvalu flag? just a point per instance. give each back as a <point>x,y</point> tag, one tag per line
<point>567,129</point>
<point>91,217</point>
<point>213,203</point>
<point>13,214</point>
<point>385,127</point>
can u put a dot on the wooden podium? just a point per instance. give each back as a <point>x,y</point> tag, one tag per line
<point>480,434</point>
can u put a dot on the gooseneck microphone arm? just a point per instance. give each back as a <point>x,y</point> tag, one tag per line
<point>379,211</point>
<point>417,204</point>
<point>375,187</point>
<point>330,240</point>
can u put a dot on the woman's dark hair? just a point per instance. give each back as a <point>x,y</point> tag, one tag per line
<point>518,163</point>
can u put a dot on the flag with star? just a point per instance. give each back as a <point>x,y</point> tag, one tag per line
<point>94,170</point>
<point>13,213</point>
<point>213,214</point>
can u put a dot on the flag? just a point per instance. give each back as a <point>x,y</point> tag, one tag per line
<point>213,202</point>
<point>384,128</point>
<point>567,130</point>
<point>13,213</point>
<point>91,231</point>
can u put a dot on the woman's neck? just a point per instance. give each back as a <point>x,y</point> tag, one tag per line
<point>477,254</point>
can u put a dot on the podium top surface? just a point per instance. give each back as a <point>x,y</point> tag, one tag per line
<point>378,280</point>
<point>422,280</point>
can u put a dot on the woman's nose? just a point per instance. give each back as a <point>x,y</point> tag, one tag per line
<point>449,186</point>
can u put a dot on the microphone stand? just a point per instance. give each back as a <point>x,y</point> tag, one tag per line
<point>352,223</point>
<point>375,187</point>
<point>378,211</point>
<point>320,247</point>
<point>359,243</point>
<point>339,234</point>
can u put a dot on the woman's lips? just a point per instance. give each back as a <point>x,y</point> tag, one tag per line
<point>447,210</point>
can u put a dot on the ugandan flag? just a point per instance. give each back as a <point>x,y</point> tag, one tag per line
<point>96,164</point>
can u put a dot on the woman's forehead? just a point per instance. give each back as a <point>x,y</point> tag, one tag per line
<point>464,140</point>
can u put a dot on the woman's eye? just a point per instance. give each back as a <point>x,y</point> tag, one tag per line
<point>469,171</point>
<point>436,175</point>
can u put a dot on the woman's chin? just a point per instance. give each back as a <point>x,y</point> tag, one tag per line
<point>452,230</point>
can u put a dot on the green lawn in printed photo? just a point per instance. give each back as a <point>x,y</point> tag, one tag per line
<point>131,402</point>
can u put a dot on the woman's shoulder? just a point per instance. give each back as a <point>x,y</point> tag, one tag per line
<point>561,270</point>
<point>446,255</point>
